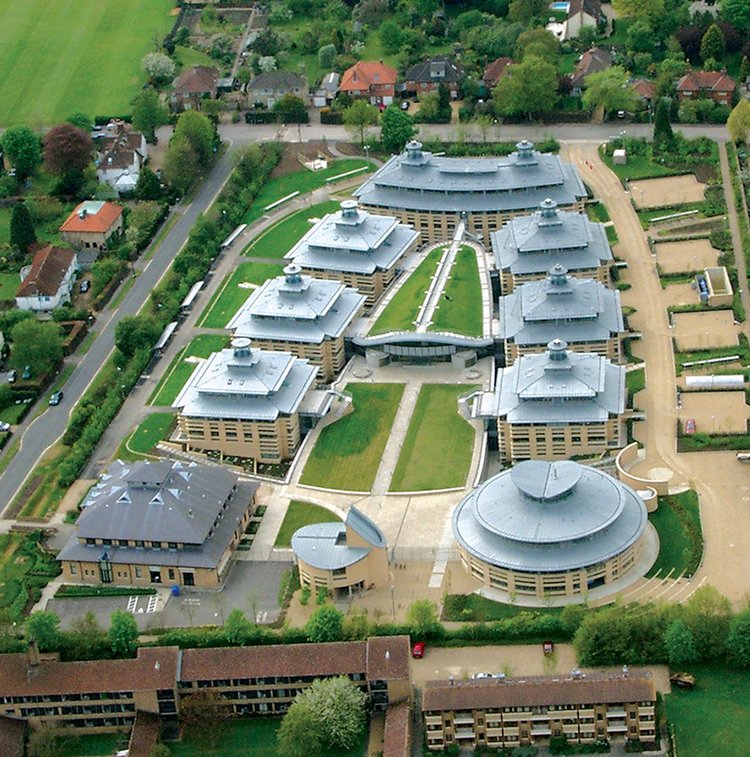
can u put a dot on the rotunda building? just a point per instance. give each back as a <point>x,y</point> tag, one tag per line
<point>546,529</point>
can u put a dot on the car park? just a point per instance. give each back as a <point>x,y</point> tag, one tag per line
<point>56,398</point>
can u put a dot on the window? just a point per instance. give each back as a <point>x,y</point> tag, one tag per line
<point>138,573</point>
<point>73,569</point>
<point>171,574</point>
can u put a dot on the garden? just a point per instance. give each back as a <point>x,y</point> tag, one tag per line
<point>300,514</point>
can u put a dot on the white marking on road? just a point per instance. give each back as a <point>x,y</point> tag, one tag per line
<point>132,603</point>
<point>152,600</point>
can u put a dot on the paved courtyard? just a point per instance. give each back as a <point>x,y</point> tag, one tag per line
<point>691,255</point>
<point>669,190</point>
<point>716,412</point>
<point>704,330</point>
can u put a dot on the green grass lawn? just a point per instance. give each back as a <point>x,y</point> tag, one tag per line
<point>149,432</point>
<point>401,312</point>
<point>301,181</point>
<point>635,381</point>
<point>251,737</point>
<point>460,308</point>
<point>230,296</point>
<point>92,745</point>
<point>8,285</point>
<point>477,608</point>
<point>300,514</point>
<point>278,239</point>
<point>640,167</point>
<point>677,521</point>
<point>712,718</point>
<point>190,57</point>
<point>348,452</point>
<point>74,55</point>
<point>180,370</point>
<point>46,230</point>
<point>436,453</point>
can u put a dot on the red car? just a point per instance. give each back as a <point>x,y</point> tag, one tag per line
<point>690,426</point>
<point>417,651</point>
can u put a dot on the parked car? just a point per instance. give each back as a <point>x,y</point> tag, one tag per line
<point>405,105</point>
<point>417,651</point>
<point>479,676</point>
<point>4,426</point>
<point>26,375</point>
<point>690,426</point>
<point>12,375</point>
<point>56,398</point>
<point>85,286</point>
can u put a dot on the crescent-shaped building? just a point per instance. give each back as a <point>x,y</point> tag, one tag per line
<point>546,529</point>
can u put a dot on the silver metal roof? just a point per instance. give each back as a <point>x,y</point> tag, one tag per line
<point>418,180</point>
<point>352,240</point>
<point>246,383</point>
<point>534,243</point>
<point>582,517</point>
<point>297,308</point>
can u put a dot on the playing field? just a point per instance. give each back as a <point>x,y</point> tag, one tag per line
<point>74,55</point>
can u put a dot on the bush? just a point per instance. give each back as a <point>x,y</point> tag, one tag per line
<point>328,116</point>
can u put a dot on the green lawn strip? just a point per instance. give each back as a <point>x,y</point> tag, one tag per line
<point>14,414</point>
<point>460,307</point>
<point>677,521</point>
<point>741,348</point>
<point>232,295</point>
<point>301,181</point>
<point>635,381</point>
<point>476,608</point>
<point>348,452</point>
<point>597,211</point>
<point>8,285</point>
<point>278,239</point>
<point>401,312</point>
<point>436,453</point>
<point>712,718</point>
<point>300,514</point>
<point>11,450</point>
<point>181,369</point>
<point>88,68</point>
<point>190,57</point>
<point>640,167</point>
<point>700,442</point>
<point>149,432</point>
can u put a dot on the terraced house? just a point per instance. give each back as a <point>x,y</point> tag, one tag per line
<point>432,193</point>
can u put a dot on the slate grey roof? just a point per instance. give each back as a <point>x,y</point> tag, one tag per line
<point>560,306</point>
<point>533,244</point>
<point>279,81</point>
<point>246,384</point>
<point>546,517</point>
<point>324,545</point>
<point>297,308</point>
<point>418,180</point>
<point>435,69</point>
<point>353,241</point>
<point>557,386</point>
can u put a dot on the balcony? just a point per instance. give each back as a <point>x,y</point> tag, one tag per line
<point>464,720</point>
<point>617,727</point>
<point>616,713</point>
<point>465,734</point>
<point>541,731</point>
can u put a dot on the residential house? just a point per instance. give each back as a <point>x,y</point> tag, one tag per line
<point>370,80</point>
<point>193,85</point>
<point>91,224</point>
<point>121,153</point>
<point>582,14</point>
<point>428,75</point>
<point>159,523</point>
<point>48,281</point>
<point>714,85</point>
<point>493,72</point>
<point>270,86</point>
<point>329,86</point>
<point>591,62</point>
<point>645,90</point>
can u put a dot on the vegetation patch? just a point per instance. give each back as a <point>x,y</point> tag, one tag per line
<point>437,450</point>
<point>677,521</point>
<point>147,435</point>
<point>635,381</point>
<point>72,591</point>
<point>300,514</point>
<point>473,607</point>
<point>460,308</point>
<point>347,453</point>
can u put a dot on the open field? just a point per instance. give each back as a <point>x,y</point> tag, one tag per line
<point>437,450</point>
<point>669,190</point>
<point>688,256</point>
<point>347,453</point>
<point>60,57</point>
<point>677,521</point>
<point>704,330</point>
<point>300,514</point>
<point>146,436</point>
<point>460,308</point>
<point>716,412</point>
<point>181,368</point>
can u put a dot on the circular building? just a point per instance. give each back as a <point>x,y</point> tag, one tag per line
<point>546,529</point>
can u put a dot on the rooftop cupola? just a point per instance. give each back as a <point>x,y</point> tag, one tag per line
<point>558,275</point>
<point>546,482</point>
<point>349,209</point>
<point>548,210</point>
<point>241,347</point>
<point>293,274</point>
<point>557,350</point>
<point>414,150</point>
<point>525,152</point>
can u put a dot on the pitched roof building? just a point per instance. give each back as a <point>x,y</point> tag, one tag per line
<point>495,71</point>
<point>121,154</point>
<point>429,74</point>
<point>194,84</point>
<point>372,80</point>
<point>593,61</point>
<point>91,224</point>
<point>582,13</point>
<point>270,86</point>
<point>716,85</point>
<point>48,281</point>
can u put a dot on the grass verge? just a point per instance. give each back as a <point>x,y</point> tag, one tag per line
<point>300,514</point>
<point>149,432</point>
<point>460,308</point>
<point>677,521</point>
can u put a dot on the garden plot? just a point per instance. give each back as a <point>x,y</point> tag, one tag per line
<point>715,412</point>
<point>705,330</point>
<point>688,256</point>
<point>670,190</point>
<point>681,293</point>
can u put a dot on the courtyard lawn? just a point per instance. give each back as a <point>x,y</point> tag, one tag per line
<point>348,452</point>
<point>460,308</point>
<point>93,745</point>
<point>473,607</point>
<point>712,718</point>
<point>640,167</point>
<point>147,435</point>
<point>677,521</point>
<point>401,312</point>
<point>278,239</point>
<point>436,453</point>
<point>302,181</point>
<point>189,57</point>
<point>300,514</point>
<point>231,295</point>
<point>74,55</point>
<point>635,381</point>
<point>181,369</point>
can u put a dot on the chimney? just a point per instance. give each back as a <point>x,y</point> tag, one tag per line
<point>33,654</point>
<point>82,213</point>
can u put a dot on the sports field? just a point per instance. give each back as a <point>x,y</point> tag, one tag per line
<point>74,55</point>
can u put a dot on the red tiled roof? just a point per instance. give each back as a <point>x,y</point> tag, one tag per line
<point>388,658</point>
<point>645,88</point>
<point>366,73</point>
<point>99,223</point>
<point>144,735</point>
<point>12,733</point>
<point>496,69</point>
<point>196,80</point>
<point>397,739</point>
<point>47,272</point>
<point>713,81</point>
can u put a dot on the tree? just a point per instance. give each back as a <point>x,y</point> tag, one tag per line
<point>707,615</point>
<point>663,135</point>
<point>148,113</point>
<point>396,129</point>
<point>744,68</point>
<point>712,44</point>
<point>609,89</point>
<point>135,332</point>
<point>358,117</point>
<point>299,733</point>
<point>737,12</point>
<point>148,186</point>
<point>325,624</point>
<point>181,167</point>
<point>738,124</point>
<point>539,42</point>
<point>738,641</point>
<point>390,37</point>
<point>523,11</point>
<point>199,713</point>
<point>528,87</point>
<point>81,120</point>
<point>22,234</point>
<point>267,63</point>
<point>123,634</point>
<point>326,56</point>
<point>680,645</point>
<point>649,9</point>
<point>23,149</point>
<point>291,109</point>
<point>159,67</point>
<point>87,640</point>
<point>160,750</point>
<point>38,344</point>
<point>43,627</point>
<point>422,617</point>
<point>372,12</point>
<point>47,741</point>
<point>67,148</point>
<point>199,132</point>
<point>640,36</point>
<point>237,628</point>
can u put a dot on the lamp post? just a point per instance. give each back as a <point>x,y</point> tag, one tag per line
<point>393,603</point>
<point>367,151</point>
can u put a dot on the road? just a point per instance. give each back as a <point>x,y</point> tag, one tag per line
<point>45,430</point>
